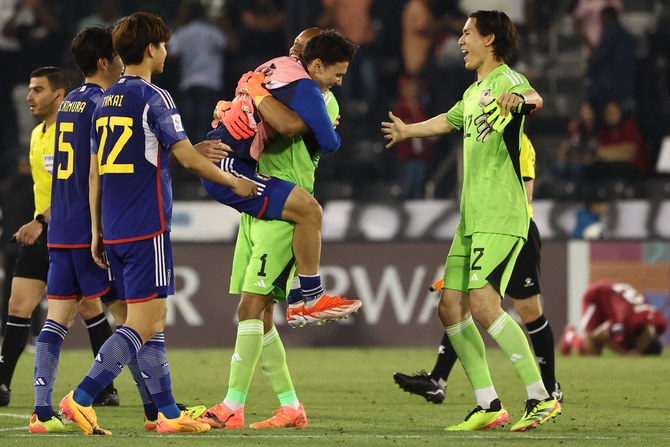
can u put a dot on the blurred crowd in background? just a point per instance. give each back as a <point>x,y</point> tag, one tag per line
<point>601,66</point>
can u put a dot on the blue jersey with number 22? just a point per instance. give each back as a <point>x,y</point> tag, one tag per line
<point>134,126</point>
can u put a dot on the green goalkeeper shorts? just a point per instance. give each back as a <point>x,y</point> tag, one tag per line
<point>263,262</point>
<point>481,258</point>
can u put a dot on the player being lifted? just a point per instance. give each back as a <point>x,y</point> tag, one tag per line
<point>137,131</point>
<point>494,219</point>
<point>289,102</point>
<point>263,262</point>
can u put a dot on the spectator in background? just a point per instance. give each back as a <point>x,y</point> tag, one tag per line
<point>418,26</point>
<point>578,149</point>
<point>615,316</point>
<point>446,59</point>
<point>413,154</point>
<point>41,29</point>
<point>261,32</point>
<point>106,14</point>
<point>587,22</point>
<point>621,152</point>
<point>300,15</point>
<point>353,19</point>
<point>9,50</point>
<point>611,68</point>
<point>199,46</point>
<point>591,219</point>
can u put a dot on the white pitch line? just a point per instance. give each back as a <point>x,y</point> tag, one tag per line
<point>15,415</point>
<point>23,427</point>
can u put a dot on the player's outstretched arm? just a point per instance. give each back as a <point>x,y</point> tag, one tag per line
<point>189,158</point>
<point>397,130</point>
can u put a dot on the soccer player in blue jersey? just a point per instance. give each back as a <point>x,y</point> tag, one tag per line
<point>73,274</point>
<point>136,130</point>
<point>48,86</point>
<point>291,104</point>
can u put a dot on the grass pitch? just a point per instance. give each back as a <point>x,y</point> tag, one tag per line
<point>350,399</point>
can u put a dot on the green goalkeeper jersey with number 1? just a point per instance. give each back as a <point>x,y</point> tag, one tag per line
<point>264,248</point>
<point>493,198</point>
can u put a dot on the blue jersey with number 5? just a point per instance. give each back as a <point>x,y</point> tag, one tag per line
<point>70,224</point>
<point>134,126</point>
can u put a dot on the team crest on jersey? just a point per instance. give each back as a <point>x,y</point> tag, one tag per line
<point>263,177</point>
<point>485,98</point>
<point>176,120</point>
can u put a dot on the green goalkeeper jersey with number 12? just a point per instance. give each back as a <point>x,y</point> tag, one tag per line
<point>493,198</point>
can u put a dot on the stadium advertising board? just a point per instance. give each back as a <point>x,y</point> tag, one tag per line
<point>391,279</point>
<point>424,220</point>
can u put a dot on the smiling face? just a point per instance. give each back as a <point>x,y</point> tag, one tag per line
<point>43,101</point>
<point>327,77</point>
<point>473,45</point>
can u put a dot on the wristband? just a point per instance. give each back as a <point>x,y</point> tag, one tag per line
<point>40,218</point>
<point>524,108</point>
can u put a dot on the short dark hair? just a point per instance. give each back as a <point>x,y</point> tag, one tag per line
<point>498,24</point>
<point>134,33</point>
<point>91,44</point>
<point>329,46</point>
<point>56,76</point>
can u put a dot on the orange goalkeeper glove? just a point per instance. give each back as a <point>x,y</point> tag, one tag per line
<point>252,84</point>
<point>234,116</point>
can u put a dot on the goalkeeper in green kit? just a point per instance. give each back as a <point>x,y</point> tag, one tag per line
<point>494,219</point>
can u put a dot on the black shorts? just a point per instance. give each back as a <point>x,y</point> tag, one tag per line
<point>525,279</point>
<point>33,260</point>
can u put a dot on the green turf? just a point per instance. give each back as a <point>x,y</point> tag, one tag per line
<point>350,399</point>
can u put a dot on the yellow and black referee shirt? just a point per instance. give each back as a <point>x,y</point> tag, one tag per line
<point>527,163</point>
<point>42,142</point>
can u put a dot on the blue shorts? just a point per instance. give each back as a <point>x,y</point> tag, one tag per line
<point>73,274</point>
<point>143,269</point>
<point>272,192</point>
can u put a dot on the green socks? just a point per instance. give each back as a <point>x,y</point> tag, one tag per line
<point>510,337</point>
<point>248,347</point>
<point>273,363</point>
<point>469,346</point>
